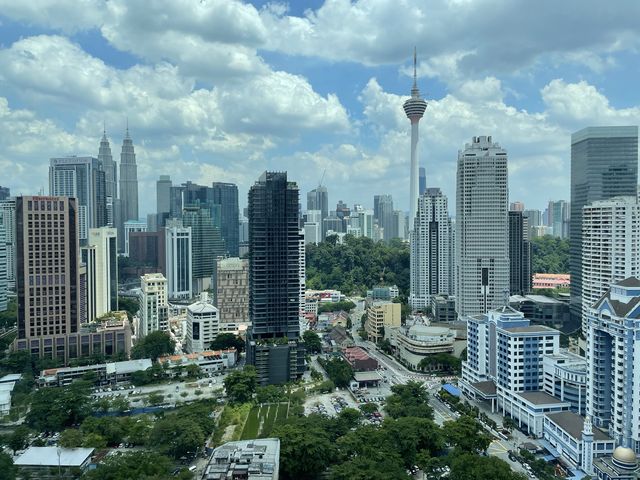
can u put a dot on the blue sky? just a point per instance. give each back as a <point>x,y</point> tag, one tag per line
<point>219,90</point>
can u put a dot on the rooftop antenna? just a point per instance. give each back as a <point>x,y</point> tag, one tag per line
<point>415,63</point>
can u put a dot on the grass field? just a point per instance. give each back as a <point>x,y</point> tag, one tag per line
<point>262,419</point>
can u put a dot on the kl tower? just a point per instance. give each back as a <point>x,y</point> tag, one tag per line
<point>414,109</point>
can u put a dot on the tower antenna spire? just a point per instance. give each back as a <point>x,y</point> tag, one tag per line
<point>415,62</point>
<point>104,127</point>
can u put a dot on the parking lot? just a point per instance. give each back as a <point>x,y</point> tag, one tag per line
<point>329,404</point>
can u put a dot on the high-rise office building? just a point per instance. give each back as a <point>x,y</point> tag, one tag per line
<point>154,314</point>
<point>613,335</point>
<point>206,243</point>
<point>400,224</point>
<point>129,227</point>
<point>482,232</point>
<point>84,179</point>
<point>534,220</point>
<point>5,193</point>
<point>128,200</point>
<point>203,324</point>
<point>604,164</point>
<point>516,207</point>
<point>226,195</point>
<point>273,345</point>
<point>383,213</point>
<point>610,247</point>
<point>47,277</point>
<point>414,109</point>
<point>163,199</point>
<point>3,266</point>
<point>519,254</point>
<point>430,250</point>
<point>558,218</point>
<point>422,181</point>
<point>179,260</point>
<point>8,218</point>
<point>106,270</point>
<point>318,199</point>
<point>110,179</point>
<point>231,290</point>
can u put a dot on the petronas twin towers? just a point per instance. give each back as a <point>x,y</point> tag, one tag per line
<point>123,205</point>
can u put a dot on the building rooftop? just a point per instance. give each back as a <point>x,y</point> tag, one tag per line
<point>250,459</point>
<point>233,263</point>
<point>532,329</point>
<point>486,387</point>
<point>12,377</point>
<point>128,366</point>
<point>572,423</point>
<point>7,386</point>
<point>48,457</point>
<point>629,282</point>
<point>366,376</point>
<point>539,398</point>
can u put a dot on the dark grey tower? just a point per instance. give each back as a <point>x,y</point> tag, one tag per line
<point>604,164</point>
<point>274,280</point>
<point>128,180</point>
<point>110,178</point>
<point>383,213</point>
<point>519,254</point>
<point>226,195</point>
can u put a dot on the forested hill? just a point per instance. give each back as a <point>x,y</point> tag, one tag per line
<point>550,255</point>
<point>357,265</point>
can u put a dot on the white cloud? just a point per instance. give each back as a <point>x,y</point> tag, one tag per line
<point>66,15</point>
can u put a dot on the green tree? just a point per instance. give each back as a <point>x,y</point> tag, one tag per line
<point>466,434</point>
<point>129,304</point>
<point>342,305</point>
<point>19,439</point>
<point>155,398</point>
<point>409,400</point>
<point>305,449</point>
<point>176,437</point>
<point>338,370</point>
<point>94,440</point>
<point>271,394</point>
<point>8,470</point>
<point>138,465</point>
<point>110,429</point>
<point>369,408</point>
<point>312,341</point>
<point>224,341</point>
<point>53,409</point>
<point>240,385</point>
<point>475,467</point>
<point>381,465</point>
<point>153,345</point>
<point>550,254</point>
<point>441,361</point>
<point>71,438</point>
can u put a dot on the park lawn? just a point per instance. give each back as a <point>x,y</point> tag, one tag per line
<point>283,409</point>
<point>251,426</point>
<point>269,421</point>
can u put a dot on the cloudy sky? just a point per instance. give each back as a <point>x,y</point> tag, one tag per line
<point>219,90</point>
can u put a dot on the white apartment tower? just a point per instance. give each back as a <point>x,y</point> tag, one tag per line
<point>178,249</point>
<point>153,304</point>
<point>610,242</point>
<point>430,249</point>
<point>3,266</point>
<point>8,218</point>
<point>105,269</point>
<point>482,232</point>
<point>203,324</point>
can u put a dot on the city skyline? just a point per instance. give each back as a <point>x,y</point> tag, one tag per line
<point>183,113</point>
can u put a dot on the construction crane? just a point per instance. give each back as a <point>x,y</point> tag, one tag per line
<point>322,178</point>
<point>382,276</point>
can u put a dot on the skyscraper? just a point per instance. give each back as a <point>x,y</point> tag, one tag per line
<point>482,231</point>
<point>110,179</point>
<point>163,199</point>
<point>558,213</point>
<point>106,269</point>
<point>179,263</point>
<point>128,186</point>
<point>516,207</point>
<point>613,335</point>
<point>226,195</point>
<point>81,178</point>
<point>430,249</point>
<point>610,247</point>
<point>5,193</point>
<point>604,164</point>
<point>3,266</point>
<point>318,199</point>
<point>48,296</point>
<point>273,345</point>
<point>206,243</point>
<point>422,181</point>
<point>519,254</point>
<point>231,293</point>
<point>8,218</point>
<point>154,315</point>
<point>414,110</point>
<point>383,213</point>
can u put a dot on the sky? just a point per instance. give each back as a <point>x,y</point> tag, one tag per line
<point>221,90</point>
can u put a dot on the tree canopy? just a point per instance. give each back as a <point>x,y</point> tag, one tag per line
<point>338,370</point>
<point>550,254</point>
<point>312,341</point>
<point>240,385</point>
<point>53,409</point>
<point>227,340</point>
<point>357,264</point>
<point>154,345</point>
<point>409,400</point>
<point>139,465</point>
